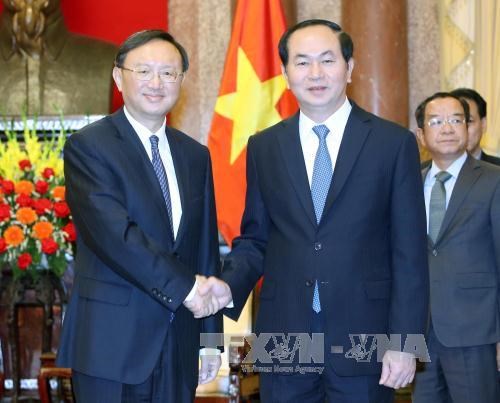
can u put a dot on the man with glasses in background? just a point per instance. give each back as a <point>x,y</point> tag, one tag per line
<point>462,197</point>
<point>141,194</point>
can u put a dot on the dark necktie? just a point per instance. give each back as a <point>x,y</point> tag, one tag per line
<point>437,204</point>
<point>161,174</point>
<point>320,184</point>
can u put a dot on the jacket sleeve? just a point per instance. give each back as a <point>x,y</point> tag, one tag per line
<point>408,237</point>
<point>244,266</point>
<point>209,253</point>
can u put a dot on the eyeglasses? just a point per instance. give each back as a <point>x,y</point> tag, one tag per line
<point>145,74</point>
<point>439,121</point>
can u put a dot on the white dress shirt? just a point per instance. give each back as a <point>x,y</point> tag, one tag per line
<point>430,179</point>
<point>166,157</point>
<point>310,141</point>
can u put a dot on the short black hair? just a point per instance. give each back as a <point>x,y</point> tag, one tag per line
<point>345,40</point>
<point>474,96</point>
<point>141,38</point>
<point>420,111</point>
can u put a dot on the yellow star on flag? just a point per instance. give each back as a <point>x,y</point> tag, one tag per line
<point>252,107</point>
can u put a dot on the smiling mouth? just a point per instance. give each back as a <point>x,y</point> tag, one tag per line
<point>154,97</point>
<point>317,88</point>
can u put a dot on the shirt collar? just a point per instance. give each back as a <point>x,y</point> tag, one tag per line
<point>142,131</point>
<point>453,169</point>
<point>336,122</point>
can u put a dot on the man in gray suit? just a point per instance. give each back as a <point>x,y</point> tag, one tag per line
<point>462,197</point>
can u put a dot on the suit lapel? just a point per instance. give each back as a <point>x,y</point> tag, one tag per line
<point>291,150</point>
<point>355,134</point>
<point>468,175</point>
<point>136,156</point>
<point>182,174</point>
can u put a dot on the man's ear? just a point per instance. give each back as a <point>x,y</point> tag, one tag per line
<point>350,68</point>
<point>283,71</point>
<point>421,137</point>
<point>117,76</point>
<point>484,125</point>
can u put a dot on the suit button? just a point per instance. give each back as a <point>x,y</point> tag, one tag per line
<point>434,252</point>
<point>168,299</point>
<point>318,246</point>
<point>154,291</point>
<point>309,283</point>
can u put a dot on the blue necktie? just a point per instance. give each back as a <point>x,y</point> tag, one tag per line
<point>161,174</point>
<point>320,184</point>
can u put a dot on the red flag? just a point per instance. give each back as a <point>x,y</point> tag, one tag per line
<point>252,97</point>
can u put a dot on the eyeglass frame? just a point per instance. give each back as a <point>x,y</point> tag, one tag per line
<point>458,122</point>
<point>136,72</point>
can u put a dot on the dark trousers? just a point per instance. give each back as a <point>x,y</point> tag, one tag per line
<point>164,385</point>
<point>314,387</point>
<point>457,374</point>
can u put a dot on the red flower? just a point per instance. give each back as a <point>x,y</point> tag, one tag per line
<point>24,260</point>
<point>25,165</point>
<point>41,187</point>
<point>24,201</point>
<point>61,209</point>
<point>8,186</point>
<point>4,212</point>
<point>48,173</point>
<point>49,246</point>
<point>3,245</point>
<point>70,230</point>
<point>42,206</point>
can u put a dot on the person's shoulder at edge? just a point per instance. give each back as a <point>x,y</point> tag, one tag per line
<point>383,126</point>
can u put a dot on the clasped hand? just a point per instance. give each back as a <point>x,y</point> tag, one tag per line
<point>212,294</point>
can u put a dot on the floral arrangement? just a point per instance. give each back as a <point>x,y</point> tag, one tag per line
<point>36,228</point>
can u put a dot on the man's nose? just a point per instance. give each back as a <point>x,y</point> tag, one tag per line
<point>316,71</point>
<point>155,81</point>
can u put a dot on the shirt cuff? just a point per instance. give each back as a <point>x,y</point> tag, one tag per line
<point>191,294</point>
<point>209,351</point>
<point>230,305</point>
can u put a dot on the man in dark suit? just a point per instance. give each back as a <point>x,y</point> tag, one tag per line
<point>335,222</point>
<point>141,194</point>
<point>477,124</point>
<point>462,198</point>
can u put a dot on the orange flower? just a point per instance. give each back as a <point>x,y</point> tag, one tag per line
<point>26,215</point>
<point>13,235</point>
<point>42,230</point>
<point>59,192</point>
<point>24,187</point>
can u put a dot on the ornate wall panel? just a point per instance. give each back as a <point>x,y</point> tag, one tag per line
<point>423,52</point>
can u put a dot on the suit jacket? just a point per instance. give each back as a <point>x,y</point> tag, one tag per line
<point>130,276</point>
<point>464,263</point>
<point>367,253</point>
<point>490,158</point>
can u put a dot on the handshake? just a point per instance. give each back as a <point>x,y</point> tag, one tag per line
<point>212,294</point>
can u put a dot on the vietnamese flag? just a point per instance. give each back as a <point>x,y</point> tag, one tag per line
<point>252,96</point>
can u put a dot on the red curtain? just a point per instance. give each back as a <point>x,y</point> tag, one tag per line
<point>113,20</point>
